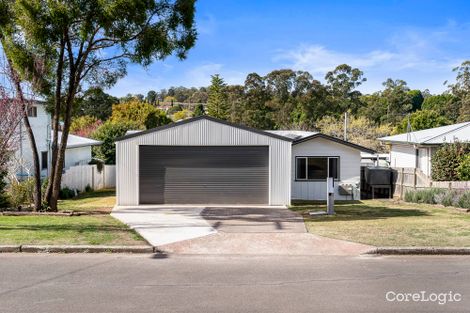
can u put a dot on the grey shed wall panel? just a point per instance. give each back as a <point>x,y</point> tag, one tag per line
<point>203,175</point>
<point>202,133</point>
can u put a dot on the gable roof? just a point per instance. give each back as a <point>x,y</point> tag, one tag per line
<point>293,134</point>
<point>203,117</point>
<point>334,139</point>
<point>433,136</point>
<point>74,141</point>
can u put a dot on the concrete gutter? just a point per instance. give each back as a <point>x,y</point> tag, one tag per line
<point>420,251</point>
<point>77,249</point>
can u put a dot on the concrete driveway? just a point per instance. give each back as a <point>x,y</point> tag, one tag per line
<point>161,225</point>
<point>260,231</point>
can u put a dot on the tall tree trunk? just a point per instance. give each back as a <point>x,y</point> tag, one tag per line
<point>32,140</point>
<point>59,164</point>
<point>55,125</point>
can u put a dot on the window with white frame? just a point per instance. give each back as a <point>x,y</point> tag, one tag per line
<point>316,168</point>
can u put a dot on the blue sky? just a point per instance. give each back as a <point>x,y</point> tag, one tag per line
<point>418,41</point>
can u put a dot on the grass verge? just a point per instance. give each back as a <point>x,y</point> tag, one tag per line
<point>388,223</point>
<point>66,230</point>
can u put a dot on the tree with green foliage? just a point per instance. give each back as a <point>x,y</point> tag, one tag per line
<point>463,170</point>
<point>461,90</point>
<point>360,131</point>
<point>445,104</point>
<point>199,110</point>
<point>256,113</point>
<point>152,97</point>
<point>95,102</point>
<point>107,134</point>
<point>235,99</point>
<point>447,159</point>
<point>85,125</point>
<point>141,113</point>
<point>422,119</point>
<point>417,99</point>
<point>279,84</point>
<point>82,43</point>
<point>217,101</point>
<point>390,105</point>
<point>342,83</point>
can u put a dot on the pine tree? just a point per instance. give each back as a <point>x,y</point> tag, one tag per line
<point>199,110</point>
<point>217,102</point>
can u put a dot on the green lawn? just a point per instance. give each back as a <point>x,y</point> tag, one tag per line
<point>388,223</point>
<point>57,230</point>
<point>97,201</point>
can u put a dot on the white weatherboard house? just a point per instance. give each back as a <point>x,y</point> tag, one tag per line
<point>204,160</point>
<point>78,148</point>
<point>415,149</point>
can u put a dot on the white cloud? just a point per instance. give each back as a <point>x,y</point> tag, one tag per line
<point>423,57</point>
<point>201,75</point>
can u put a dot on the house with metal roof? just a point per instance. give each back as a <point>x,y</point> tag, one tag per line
<point>415,149</point>
<point>78,151</point>
<point>204,160</point>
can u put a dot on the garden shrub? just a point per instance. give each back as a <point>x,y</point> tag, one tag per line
<point>3,194</point>
<point>447,159</point>
<point>21,192</point>
<point>429,196</point>
<point>464,201</point>
<point>66,193</point>
<point>449,198</point>
<point>463,170</point>
<point>88,188</point>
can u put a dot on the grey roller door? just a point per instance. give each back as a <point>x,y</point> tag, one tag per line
<point>203,174</point>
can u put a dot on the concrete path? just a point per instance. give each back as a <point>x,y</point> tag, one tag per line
<point>165,225</point>
<point>261,231</point>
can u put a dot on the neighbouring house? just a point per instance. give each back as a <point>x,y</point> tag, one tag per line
<point>415,149</point>
<point>78,148</point>
<point>204,160</point>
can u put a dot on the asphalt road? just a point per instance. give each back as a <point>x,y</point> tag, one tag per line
<point>141,283</point>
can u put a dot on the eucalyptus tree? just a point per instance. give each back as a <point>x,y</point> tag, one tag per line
<point>87,43</point>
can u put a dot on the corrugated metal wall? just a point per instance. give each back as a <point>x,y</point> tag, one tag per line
<point>202,132</point>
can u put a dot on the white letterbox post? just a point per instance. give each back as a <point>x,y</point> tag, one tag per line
<point>330,200</point>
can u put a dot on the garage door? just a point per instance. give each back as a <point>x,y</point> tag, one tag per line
<point>203,175</point>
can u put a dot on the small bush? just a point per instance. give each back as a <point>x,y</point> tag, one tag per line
<point>428,196</point>
<point>66,193</point>
<point>3,194</point>
<point>448,198</point>
<point>409,196</point>
<point>88,188</point>
<point>464,201</point>
<point>21,192</point>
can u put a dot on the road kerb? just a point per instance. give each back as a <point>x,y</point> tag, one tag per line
<point>75,249</point>
<point>420,251</point>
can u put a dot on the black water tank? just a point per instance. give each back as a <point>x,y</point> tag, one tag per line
<point>376,175</point>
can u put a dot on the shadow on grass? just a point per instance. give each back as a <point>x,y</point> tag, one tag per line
<point>356,210</point>
<point>94,194</point>
<point>66,228</point>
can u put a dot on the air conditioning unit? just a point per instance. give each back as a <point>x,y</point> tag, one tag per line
<point>346,189</point>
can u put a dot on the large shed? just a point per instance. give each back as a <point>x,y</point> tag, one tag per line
<point>203,160</point>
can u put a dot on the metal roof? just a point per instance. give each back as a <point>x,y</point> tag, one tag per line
<point>74,141</point>
<point>433,136</point>
<point>293,134</point>
<point>213,119</point>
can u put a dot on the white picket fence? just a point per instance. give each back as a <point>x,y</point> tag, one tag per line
<point>80,176</point>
